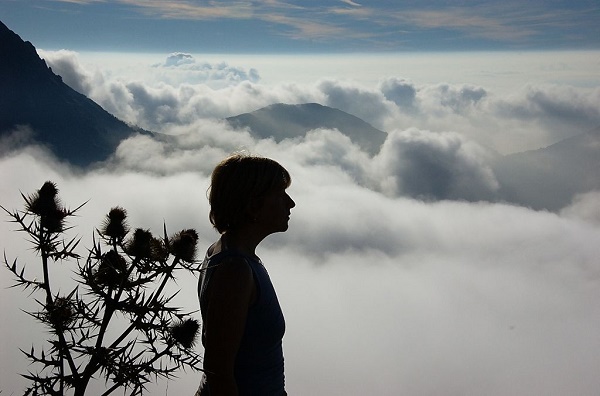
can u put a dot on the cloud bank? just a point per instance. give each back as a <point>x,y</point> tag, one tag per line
<point>381,294</point>
<point>443,139</point>
<point>183,90</point>
<point>385,290</point>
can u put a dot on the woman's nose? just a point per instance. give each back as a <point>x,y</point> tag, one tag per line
<point>291,202</point>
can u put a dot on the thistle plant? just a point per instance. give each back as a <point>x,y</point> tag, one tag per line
<point>116,325</point>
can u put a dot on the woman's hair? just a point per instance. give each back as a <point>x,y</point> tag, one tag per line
<point>238,180</point>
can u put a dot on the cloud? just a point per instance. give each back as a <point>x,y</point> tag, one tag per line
<point>11,141</point>
<point>584,207</point>
<point>455,99</point>
<point>555,107</point>
<point>442,137</point>
<point>394,276</point>
<point>191,148</point>
<point>67,65</point>
<point>185,90</point>
<point>309,29</point>
<point>469,21</point>
<point>190,71</point>
<point>412,163</point>
<point>362,102</point>
<point>178,59</point>
<point>402,92</point>
<point>464,297</point>
<point>434,166</point>
<point>508,22</point>
<point>374,26</point>
<point>529,117</point>
<point>187,11</point>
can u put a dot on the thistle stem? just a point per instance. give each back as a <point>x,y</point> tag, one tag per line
<point>149,303</point>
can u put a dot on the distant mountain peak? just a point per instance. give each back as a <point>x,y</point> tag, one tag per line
<point>73,126</point>
<point>530,178</point>
<point>285,121</point>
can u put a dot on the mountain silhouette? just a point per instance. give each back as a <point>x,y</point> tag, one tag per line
<point>72,126</point>
<point>284,121</point>
<point>549,178</point>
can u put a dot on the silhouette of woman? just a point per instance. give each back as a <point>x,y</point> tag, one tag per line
<point>242,322</point>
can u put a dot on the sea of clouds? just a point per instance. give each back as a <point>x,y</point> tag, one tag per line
<point>383,293</point>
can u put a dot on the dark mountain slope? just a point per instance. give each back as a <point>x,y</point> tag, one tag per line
<point>73,126</point>
<point>284,121</point>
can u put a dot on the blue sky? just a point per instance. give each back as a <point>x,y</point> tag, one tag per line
<point>292,26</point>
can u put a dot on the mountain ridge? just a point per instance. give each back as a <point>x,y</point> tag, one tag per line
<point>286,121</point>
<point>530,177</point>
<point>73,126</point>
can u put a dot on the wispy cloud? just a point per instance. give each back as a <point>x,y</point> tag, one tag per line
<point>83,2</point>
<point>352,3</point>
<point>192,10</point>
<point>465,21</point>
<point>497,21</point>
<point>302,28</point>
<point>508,23</point>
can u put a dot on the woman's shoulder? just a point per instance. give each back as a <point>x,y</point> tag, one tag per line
<point>217,253</point>
<point>228,264</point>
<point>232,279</point>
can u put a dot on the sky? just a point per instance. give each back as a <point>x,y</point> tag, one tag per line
<point>293,26</point>
<point>384,292</point>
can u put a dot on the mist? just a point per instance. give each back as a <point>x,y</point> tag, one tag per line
<point>386,288</point>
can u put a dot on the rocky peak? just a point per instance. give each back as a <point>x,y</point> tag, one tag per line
<point>75,128</point>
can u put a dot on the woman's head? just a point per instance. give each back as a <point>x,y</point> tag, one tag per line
<point>238,181</point>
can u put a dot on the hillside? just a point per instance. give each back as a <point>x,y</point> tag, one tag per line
<point>550,177</point>
<point>284,121</point>
<point>74,127</point>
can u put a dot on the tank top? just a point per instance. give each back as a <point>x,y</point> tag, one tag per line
<point>259,368</point>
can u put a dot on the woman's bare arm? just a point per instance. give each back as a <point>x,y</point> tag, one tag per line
<point>231,291</point>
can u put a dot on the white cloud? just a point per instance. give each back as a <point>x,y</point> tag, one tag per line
<point>427,165</point>
<point>528,117</point>
<point>191,148</point>
<point>383,293</point>
<point>556,108</point>
<point>66,64</point>
<point>20,137</point>
<point>181,67</point>
<point>400,91</point>
<point>584,207</point>
<point>365,103</point>
<point>448,153</point>
<point>178,59</point>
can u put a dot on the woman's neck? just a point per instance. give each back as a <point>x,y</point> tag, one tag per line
<point>241,240</point>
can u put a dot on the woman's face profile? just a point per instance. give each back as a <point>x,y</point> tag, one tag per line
<point>274,212</point>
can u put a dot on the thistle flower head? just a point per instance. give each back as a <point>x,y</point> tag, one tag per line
<point>185,332</point>
<point>112,269</point>
<point>144,246</point>
<point>60,312</point>
<point>183,245</point>
<point>114,225</point>
<point>46,204</point>
<point>159,251</point>
<point>140,244</point>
